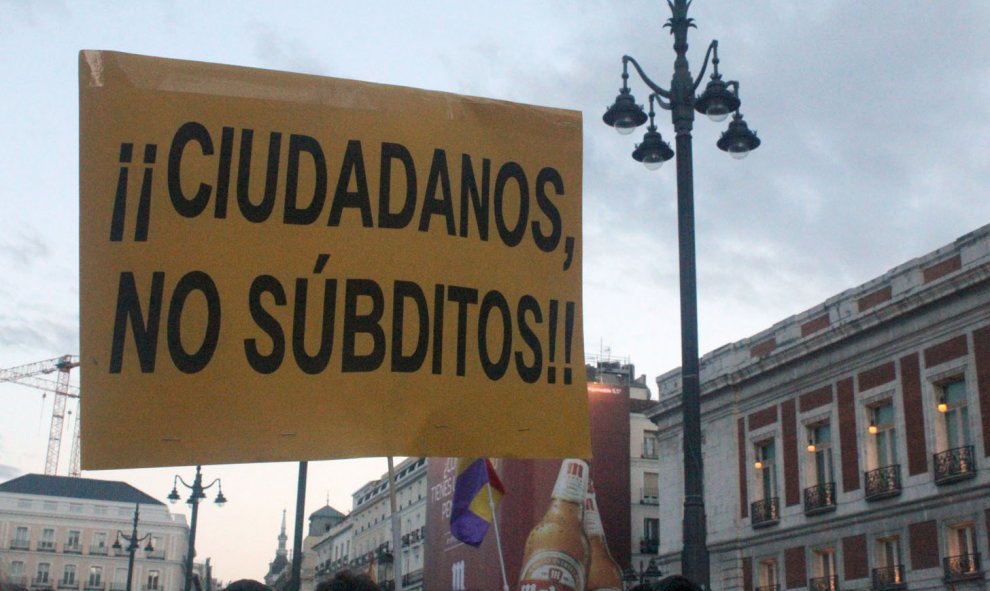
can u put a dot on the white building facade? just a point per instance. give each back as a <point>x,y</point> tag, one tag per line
<point>59,533</point>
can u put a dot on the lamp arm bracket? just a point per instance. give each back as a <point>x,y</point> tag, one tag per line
<point>184,483</point>
<point>734,84</point>
<point>712,48</point>
<point>215,480</point>
<point>646,79</point>
<point>663,104</point>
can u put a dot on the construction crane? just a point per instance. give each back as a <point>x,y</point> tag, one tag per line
<point>32,375</point>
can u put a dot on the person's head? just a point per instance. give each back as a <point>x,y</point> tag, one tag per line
<point>348,581</point>
<point>247,585</point>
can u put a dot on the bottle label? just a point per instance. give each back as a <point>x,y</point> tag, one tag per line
<point>592,519</point>
<point>552,570</point>
<point>572,482</point>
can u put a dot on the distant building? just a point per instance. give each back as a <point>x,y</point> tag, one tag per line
<point>644,504</point>
<point>59,533</point>
<point>848,447</point>
<point>280,569</point>
<point>361,542</point>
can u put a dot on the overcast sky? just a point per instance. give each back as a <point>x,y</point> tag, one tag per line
<point>874,115</point>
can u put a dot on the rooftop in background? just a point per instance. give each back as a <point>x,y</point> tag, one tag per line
<point>904,288</point>
<point>77,488</point>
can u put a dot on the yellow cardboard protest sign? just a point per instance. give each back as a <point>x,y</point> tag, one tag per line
<point>277,266</point>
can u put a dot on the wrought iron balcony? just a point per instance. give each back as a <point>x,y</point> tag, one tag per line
<point>819,498</point>
<point>649,545</point>
<point>95,586</point>
<point>98,550</point>
<point>18,544</point>
<point>155,554</point>
<point>765,513</point>
<point>954,465</point>
<point>883,482</point>
<point>412,578</point>
<point>962,567</point>
<point>72,549</point>
<point>889,578</point>
<point>46,546</point>
<point>768,588</point>
<point>649,495</point>
<point>824,584</point>
<point>121,586</point>
<point>63,584</point>
<point>41,582</point>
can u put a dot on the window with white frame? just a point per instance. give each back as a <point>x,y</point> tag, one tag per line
<point>651,487</point>
<point>99,543</point>
<point>883,445</point>
<point>16,569</point>
<point>889,557</point>
<point>72,542</point>
<point>95,576</point>
<point>69,574</point>
<point>44,569</point>
<point>766,471</point>
<point>821,470</point>
<point>767,574</point>
<point>153,579</point>
<point>47,541</point>
<point>952,404</point>
<point>823,566</point>
<point>21,539</point>
<point>650,444</point>
<point>962,544</point>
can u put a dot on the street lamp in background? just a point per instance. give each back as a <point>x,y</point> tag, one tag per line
<point>197,493</point>
<point>648,576</point>
<point>718,99</point>
<point>133,541</point>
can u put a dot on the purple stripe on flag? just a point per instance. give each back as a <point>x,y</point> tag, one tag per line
<point>464,524</point>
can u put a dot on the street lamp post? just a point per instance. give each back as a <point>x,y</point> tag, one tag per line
<point>197,492</point>
<point>133,541</point>
<point>718,100</point>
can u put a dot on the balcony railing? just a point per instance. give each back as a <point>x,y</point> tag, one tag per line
<point>18,544</point>
<point>819,498</point>
<point>883,482</point>
<point>412,578</point>
<point>649,546</point>
<point>155,555</point>
<point>151,587</point>
<point>768,588</point>
<point>41,582</point>
<point>765,512</point>
<point>97,550</point>
<point>21,580</point>
<point>649,495</point>
<point>46,546</point>
<point>115,586</point>
<point>954,465</point>
<point>824,584</point>
<point>889,578</point>
<point>63,584</point>
<point>72,549</point>
<point>95,586</point>
<point>962,567</point>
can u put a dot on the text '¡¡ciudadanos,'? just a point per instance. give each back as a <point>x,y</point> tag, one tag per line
<point>461,195</point>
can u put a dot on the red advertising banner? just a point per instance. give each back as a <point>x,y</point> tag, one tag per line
<point>551,535</point>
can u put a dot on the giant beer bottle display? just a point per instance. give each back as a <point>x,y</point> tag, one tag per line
<point>603,573</point>
<point>557,550</point>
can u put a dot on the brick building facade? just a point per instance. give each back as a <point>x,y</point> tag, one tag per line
<point>848,447</point>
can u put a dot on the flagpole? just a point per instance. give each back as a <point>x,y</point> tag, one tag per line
<point>396,529</point>
<point>498,538</point>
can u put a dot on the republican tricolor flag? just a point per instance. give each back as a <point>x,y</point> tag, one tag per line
<point>476,492</point>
